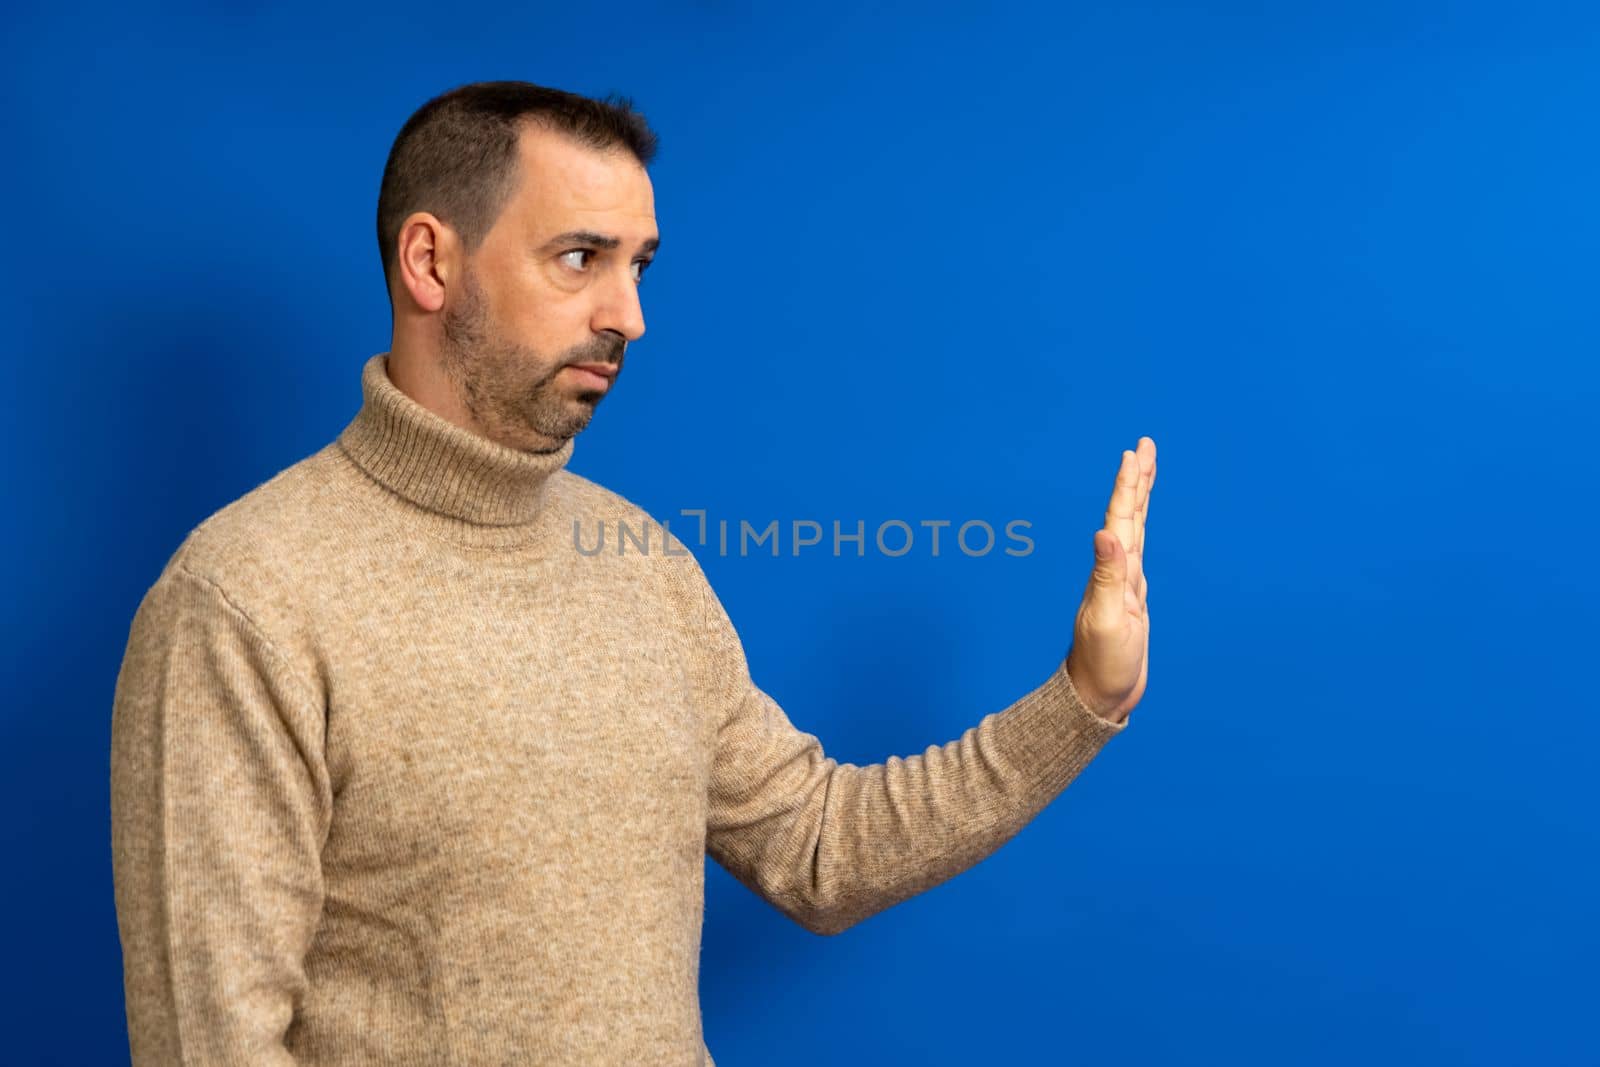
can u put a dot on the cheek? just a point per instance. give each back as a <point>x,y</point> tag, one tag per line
<point>528,300</point>
<point>547,320</point>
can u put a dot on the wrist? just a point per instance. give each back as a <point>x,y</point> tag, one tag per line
<point>1097,703</point>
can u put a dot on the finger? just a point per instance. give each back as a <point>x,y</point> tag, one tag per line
<point>1145,515</point>
<point>1146,452</point>
<point>1119,512</point>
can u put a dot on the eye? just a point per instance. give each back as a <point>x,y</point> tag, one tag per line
<point>639,266</point>
<point>578,252</point>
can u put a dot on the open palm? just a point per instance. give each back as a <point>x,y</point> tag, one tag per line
<point>1110,656</point>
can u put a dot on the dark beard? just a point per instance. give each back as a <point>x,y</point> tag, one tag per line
<point>509,389</point>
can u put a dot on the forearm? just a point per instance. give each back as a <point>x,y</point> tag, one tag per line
<point>856,840</point>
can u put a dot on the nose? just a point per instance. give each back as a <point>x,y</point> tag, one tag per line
<point>619,309</point>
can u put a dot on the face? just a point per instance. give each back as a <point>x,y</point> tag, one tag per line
<point>554,285</point>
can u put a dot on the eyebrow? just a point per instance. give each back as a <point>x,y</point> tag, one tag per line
<point>590,237</point>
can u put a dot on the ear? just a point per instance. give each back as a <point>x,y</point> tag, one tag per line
<point>426,255</point>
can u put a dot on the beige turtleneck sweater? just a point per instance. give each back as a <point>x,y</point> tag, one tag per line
<point>401,776</point>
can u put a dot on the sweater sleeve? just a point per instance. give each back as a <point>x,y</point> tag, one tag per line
<point>220,803</point>
<point>830,843</point>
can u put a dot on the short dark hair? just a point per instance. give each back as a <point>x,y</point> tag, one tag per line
<point>456,156</point>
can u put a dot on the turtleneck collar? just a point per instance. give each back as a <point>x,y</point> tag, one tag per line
<point>440,466</point>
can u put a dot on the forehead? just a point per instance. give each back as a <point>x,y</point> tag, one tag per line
<point>564,185</point>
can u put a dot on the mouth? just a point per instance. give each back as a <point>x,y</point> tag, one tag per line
<point>595,375</point>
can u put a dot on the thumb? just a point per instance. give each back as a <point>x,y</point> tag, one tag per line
<point>1110,565</point>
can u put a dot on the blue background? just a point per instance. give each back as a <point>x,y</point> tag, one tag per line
<point>929,263</point>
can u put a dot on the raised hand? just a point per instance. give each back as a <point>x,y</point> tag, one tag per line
<point>1110,654</point>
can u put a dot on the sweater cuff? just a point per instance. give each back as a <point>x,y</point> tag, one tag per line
<point>1054,734</point>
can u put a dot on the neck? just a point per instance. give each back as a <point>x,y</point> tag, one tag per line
<point>443,466</point>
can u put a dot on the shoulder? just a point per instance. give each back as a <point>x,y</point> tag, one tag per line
<point>269,529</point>
<point>602,512</point>
<point>584,498</point>
<point>262,552</point>
<point>589,503</point>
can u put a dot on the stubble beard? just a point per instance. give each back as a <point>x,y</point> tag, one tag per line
<point>509,389</point>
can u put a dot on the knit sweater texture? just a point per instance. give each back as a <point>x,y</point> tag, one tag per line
<point>404,772</point>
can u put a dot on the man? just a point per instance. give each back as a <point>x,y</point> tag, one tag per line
<point>401,776</point>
